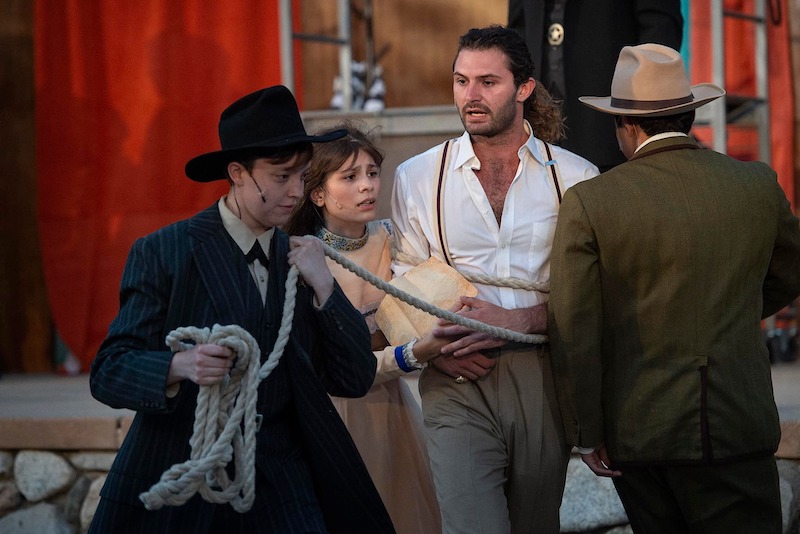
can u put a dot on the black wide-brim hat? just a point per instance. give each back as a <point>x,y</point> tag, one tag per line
<point>255,125</point>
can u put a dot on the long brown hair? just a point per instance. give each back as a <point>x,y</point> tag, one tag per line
<point>328,157</point>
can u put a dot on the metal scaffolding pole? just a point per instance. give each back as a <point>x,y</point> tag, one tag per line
<point>719,119</point>
<point>762,83</point>
<point>756,105</point>
<point>343,41</point>
<point>346,54</point>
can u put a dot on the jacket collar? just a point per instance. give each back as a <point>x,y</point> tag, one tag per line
<point>220,263</point>
<point>665,145</point>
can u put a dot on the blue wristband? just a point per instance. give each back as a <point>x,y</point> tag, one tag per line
<point>401,362</point>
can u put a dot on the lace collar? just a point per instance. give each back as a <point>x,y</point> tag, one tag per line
<point>341,243</point>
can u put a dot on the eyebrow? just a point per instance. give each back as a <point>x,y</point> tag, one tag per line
<point>479,77</point>
<point>356,167</point>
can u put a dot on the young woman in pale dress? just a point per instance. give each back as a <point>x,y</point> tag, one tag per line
<point>339,207</point>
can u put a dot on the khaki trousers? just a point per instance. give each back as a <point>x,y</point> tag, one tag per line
<point>497,446</point>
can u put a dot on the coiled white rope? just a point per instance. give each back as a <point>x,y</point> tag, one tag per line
<point>225,417</point>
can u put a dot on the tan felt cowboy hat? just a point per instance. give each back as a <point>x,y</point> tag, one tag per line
<point>255,124</point>
<point>650,80</point>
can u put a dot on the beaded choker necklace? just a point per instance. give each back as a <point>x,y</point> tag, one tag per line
<point>341,243</point>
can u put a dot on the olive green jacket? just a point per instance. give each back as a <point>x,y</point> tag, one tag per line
<point>661,271</point>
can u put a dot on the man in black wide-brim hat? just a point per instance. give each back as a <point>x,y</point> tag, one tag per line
<point>228,265</point>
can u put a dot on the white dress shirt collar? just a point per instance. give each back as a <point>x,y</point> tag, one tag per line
<point>658,137</point>
<point>466,154</point>
<point>241,234</point>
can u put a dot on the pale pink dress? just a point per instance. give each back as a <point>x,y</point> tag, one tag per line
<point>386,424</point>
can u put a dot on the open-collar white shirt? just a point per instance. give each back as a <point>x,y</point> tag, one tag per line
<point>517,247</point>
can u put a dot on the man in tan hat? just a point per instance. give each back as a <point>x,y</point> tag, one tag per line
<point>229,265</point>
<point>662,269</point>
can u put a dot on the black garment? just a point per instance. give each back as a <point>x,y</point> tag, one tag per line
<point>741,496</point>
<point>594,33</point>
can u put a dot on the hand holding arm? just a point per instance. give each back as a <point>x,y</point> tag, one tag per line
<point>430,347</point>
<point>531,320</point>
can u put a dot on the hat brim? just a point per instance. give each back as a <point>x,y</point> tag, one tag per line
<point>703,93</point>
<point>214,165</point>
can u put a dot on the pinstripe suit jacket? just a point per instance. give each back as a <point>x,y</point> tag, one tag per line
<point>190,274</point>
<point>661,271</point>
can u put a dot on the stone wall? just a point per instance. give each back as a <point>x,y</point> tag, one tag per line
<point>52,467</point>
<point>44,492</point>
<point>56,492</point>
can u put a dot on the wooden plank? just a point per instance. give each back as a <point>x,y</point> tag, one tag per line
<point>94,433</point>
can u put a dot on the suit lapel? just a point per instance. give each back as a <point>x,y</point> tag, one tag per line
<point>221,266</point>
<point>224,273</point>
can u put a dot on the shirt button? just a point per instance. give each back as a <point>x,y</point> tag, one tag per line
<point>503,245</point>
<point>261,278</point>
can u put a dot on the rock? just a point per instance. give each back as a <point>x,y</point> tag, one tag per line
<point>92,461</point>
<point>590,502</point>
<point>40,519</point>
<point>91,501</point>
<point>790,495</point>
<point>10,496</point>
<point>6,464</point>
<point>41,474</point>
<point>75,497</point>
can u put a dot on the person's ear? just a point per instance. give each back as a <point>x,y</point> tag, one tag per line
<point>525,90</point>
<point>317,196</point>
<point>236,172</point>
<point>630,128</point>
<point>620,121</point>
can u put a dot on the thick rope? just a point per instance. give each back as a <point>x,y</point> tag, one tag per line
<point>225,417</point>
<point>480,278</point>
<point>495,331</point>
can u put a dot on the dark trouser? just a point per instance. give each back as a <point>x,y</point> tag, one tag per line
<point>741,497</point>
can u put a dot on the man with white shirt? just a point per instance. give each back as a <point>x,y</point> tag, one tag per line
<point>662,270</point>
<point>487,203</point>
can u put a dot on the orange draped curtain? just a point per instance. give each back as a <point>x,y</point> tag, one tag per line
<point>740,78</point>
<point>126,93</point>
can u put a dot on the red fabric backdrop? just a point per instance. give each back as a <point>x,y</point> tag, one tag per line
<point>740,80</point>
<point>126,93</point>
